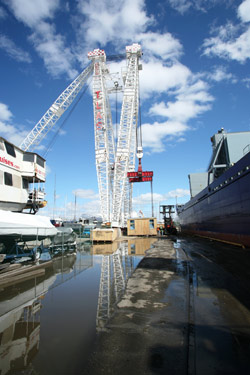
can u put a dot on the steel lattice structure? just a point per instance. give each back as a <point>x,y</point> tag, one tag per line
<point>104,138</point>
<point>126,145</point>
<point>112,164</point>
<point>115,272</point>
<point>53,114</point>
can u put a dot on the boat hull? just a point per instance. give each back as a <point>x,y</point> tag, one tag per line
<point>24,227</point>
<point>222,210</point>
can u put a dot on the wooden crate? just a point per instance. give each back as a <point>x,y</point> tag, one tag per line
<point>142,226</point>
<point>105,235</point>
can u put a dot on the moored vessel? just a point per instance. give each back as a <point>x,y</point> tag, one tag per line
<point>22,175</point>
<point>219,207</point>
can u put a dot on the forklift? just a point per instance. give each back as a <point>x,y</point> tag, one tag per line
<point>169,226</point>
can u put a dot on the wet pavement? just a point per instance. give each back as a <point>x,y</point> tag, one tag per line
<point>185,311</point>
<point>183,308</point>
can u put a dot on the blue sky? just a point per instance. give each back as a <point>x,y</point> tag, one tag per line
<point>195,80</point>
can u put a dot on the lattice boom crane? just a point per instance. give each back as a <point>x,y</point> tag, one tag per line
<point>104,138</point>
<point>126,144</point>
<point>112,164</point>
<point>53,114</point>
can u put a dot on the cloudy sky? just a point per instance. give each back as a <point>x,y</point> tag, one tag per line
<point>195,80</point>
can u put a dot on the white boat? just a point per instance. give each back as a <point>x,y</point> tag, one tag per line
<point>22,175</point>
<point>64,235</point>
<point>24,227</point>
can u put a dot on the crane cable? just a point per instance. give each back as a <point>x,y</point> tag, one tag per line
<point>54,138</point>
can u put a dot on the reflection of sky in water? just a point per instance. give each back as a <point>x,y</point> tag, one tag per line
<point>66,322</point>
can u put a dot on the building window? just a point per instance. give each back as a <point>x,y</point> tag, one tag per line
<point>151,224</point>
<point>10,149</point>
<point>132,224</point>
<point>132,248</point>
<point>25,183</point>
<point>40,161</point>
<point>8,179</point>
<point>28,157</point>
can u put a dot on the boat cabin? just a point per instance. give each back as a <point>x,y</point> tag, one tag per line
<point>22,175</point>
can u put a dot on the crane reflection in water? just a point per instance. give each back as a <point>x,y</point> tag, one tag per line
<point>27,309</point>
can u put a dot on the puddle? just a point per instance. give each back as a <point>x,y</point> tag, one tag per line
<point>48,324</point>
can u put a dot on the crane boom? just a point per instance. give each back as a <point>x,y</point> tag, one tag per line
<point>104,138</point>
<point>53,114</point>
<point>126,145</point>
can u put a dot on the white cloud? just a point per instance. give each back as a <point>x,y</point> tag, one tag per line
<point>246,81</point>
<point>179,193</point>
<point>187,106</point>
<point>181,110</point>
<point>50,46</point>
<point>112,20</point>
<point>33,12</point>
<point>85,194</point>
<point>156,77</point>
<point>145,199</point>
<point>16,53</point>
<point>91,208</point>
<point>244,11</point>
<point>58,58</point>
<point>120,22</point>
<point>155,134</point>
<point>162,45</point>
<point>225,45</point>
<point>182,6</point>
<point>231,42</point>
<point>9,131</point>
<point>192,99</point>
<point>5,113</point>
<point>219,74</point>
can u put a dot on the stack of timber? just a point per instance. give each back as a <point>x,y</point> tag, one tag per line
<point>105,235</point>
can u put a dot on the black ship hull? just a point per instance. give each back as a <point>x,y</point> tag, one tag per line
<point>222,210</point>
